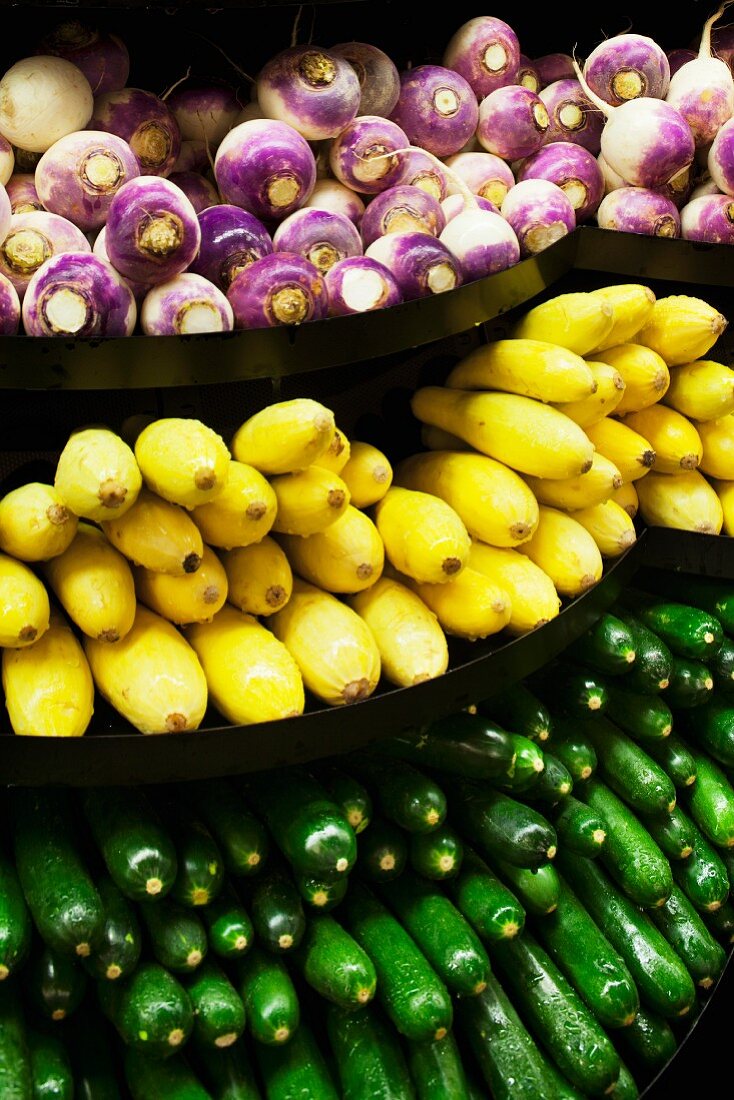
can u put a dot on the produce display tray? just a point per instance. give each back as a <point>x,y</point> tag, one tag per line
<point>689,552</point>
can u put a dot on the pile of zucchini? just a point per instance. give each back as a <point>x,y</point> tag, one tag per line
<point>464,913</point>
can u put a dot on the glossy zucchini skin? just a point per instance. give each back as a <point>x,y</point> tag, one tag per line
<point>219,1014</point>
<point>711,728</point>
<point>277,910</point>
<point>368,1056</point>
<point>607,647</point>
<point>653,663</point>
<point>672,833</point>
<point>574,750</point>
<point>295,1069</point>
<point>228,1073</point>
<point>406,796</point>
<point>687,631</point>
<point>228,926</point>
<point>200,875</point>
<point>174,1079</point>
<point>702,876</point>
<point>528,768</point>
<point>151,1011</point>
<point>650,1039</point>
<point>270,999</point>
<point>437,1070</point>
<point>118,952</point>
<point>491,908</point>
<point>685,931</point>
<point>570,689</point>
<point>335,965</point>
<point>646,718</point>
<point>711,801</point>
<point>579,829</point>
<point>15,1066</point>
<point>242,839</point>
<point>722,668</point>
<point>437,855</point>
<point>720,922</point>
<point>55,984</point>
<point>691,684</point>
<point>383,851</point>
<point>502,826</point>
<point>463,744</point>
<point>705,593</point>
<point>50,1067</point>
<point>555,782</point>
<point>15,921</point>
<point>177,935</point>
<point>675,759</point>
<point>536,890</point>
<point>517,709</point>
<point>321,896</point>
<point>350,796</point>
<point>630,772</point>
<point>137,849</point>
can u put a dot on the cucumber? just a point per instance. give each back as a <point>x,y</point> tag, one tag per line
<point>590,963</point>
<point>334,964</point>
<point>557,1015</point>
<point>138,851</point>
<point>675,759</point>
<point>296,1070</point>
<point>511,1063</point>
<point>200,874</point>
<point>57,887</point>
<point>645,718</point>
<point>15,1066</point>
<point>691,684</point>
<point>311,831</point>
<point>518,709</point>
<point>383,851</point>
<point>151,1011</point>
<point>50,1068</point>
<point>711,801</point>
<point>625,1087</point>
<point>536,890</point>
<point>710,595</point>
<point>702,877</point>
<point>219,1014</point>
<point>607,647</point>
<point>687,631</point>
<point>462,744</point>
<point>571,690</point>
<point>319,895</point>
<point>722,669</point>
<point>55,984</point>
<point>242,839</point>
<point>228,926</point>
<point>349,795</point>
<point>436,855</point>
<point>493,911</point>
<point>271,1003</point>
<point>579,829</point>
<point>630,855</point>
<point>277,910</point>
<point>653,664</point>
<point>443,935</point>
<point>502,826</point>
<point>437,1070</point>
<point>555,782</point>
<point>174,1079</point>
<point>368,1056</point>
<point>528,767</point>
<point>628,770</point>
<point>661,978</point>
<point>227,1074</point>
<point>118,953</point>
<point>650,1039</point>
<point>720,922</point>
<point>672,833</point>
<point>690,939</point>
<point>410,991</point>
<point>177,936</point>
<point>406,796</point>
<point>574,750</point>
<point>15,921</point>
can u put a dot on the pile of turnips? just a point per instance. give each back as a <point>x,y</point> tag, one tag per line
<point>343,185</point>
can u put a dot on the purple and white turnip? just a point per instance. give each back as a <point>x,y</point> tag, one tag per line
<point>483,242</point>
<point>152,230</point>
<point>627,66</point>
<point>360,285</point>
<point>31,240</point>
<point>281,289</point>
<point>7,160</point>
<point>314,91</point>
<point>437,109</point>
<point>77,294</point>
<point>639,210</point>
<point>486,52</point>
<point>21,190</point>
<point>320,237</point>
<point>571,115</point>
<point>709,218</point>
<point>231,240</point>
<point>197,189</point>
<point>702,90</point>
<point>331,195</point>
<point>364,156</point>
<point>540,214</point>
<point>103,58</point>
<point>145,123</point>
<point>204,113</point>
<point>185,305</point>
<point>266,167</point>
<point>43,99</point>
<point>402,209</point>
<point>421,170</point>
<point>379,79</point>
<point>81,173</point>
<point>420,264</point>
<point>573,169</point>
<point>513,123</point>
<point>6,213</point>
<point>9,308</point>
<point>484,174</point>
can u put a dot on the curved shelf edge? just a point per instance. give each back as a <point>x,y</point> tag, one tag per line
<point>689,552</point>
<point>667,258</point>
<point>108,759</point>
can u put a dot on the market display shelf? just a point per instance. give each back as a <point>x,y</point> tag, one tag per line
<point>689,552</point>
<point>639,257</point>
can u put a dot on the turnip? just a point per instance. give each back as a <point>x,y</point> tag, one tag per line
<point>43,99</point>
<point>572,115</point>
<point>231,240</point>
<point>314,91</point>
<point>420,264</point>
<point>103,58</point>
<point>639,210</point>
<point>513,123</point>
<point>703,89</point>
<point>185,305</point>
<point>359,285</point>
<point>486,52</point>
<point>139,290</point>
<point>6,213</point>
<point>709,218</point>
<point>77,294</point>
<point>204,113</point>
<point>484,242</point>
<point>250,111</point>
<point>678,188</point>
<point>21,189</point>
<point>612,179</point>
<point>197,189</point>
<point>527,74</point>
<point>7,160</point>
<point>152,230</point>
<point>9,308</point>
<point>721,158</point>
<point>265,167</point>
<point>318,236</point>
<point>572,168</point>
<point>331,195</point>
<point>552,67</point>
<point>706,187</point>
<point>484,174</point>
<point>379,80</point>
<point>192,157</point>
<point>437,109</point>
<point>421,170</point>
<point>678,58</point>
<point>540,214</point>
<point>453,205</point>
<point>627,66</point>
<point>281,289</point>
<point>145,123</point>
<point>402,209</point>
<point>361,158</point>
<point>33,238</point>
<point>80,174</point>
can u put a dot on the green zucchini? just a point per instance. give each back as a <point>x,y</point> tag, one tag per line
<point>15,1067</point>
<point>406,796</point>
<point>138,851</point>
<point>607,647</point>
<point>702,876</point>
<point>118,953</point>
<point>146,1077</point>
<point>296,1070</point>
<point>89,1040</point>
<point>528,767</point>
<point>410,991</point>
<point>511,1063</point>
<point>574,750</point>
<point>559,1018</point>
<point>242,839</point>
<point>630,855</point>
<point>579,829</point>
<point>56,884</point>
<point>711,801</point>
<point>368,1056</point>
<point>436,855</point>
<point>271,1003</point>
<point>570,690</point>
<point>228,926</point>
<point>555,782</point>
<point>501,826</point>
<point>350,796</point>
<point>687,631</point>
<point>151,1011</point>
<point>675,760</point>
<point>277,910</point>
<point>710,595</point>
<point>334,964</point>
<point>219,1014</point>
<point>727,858</point>
<point>50,1067</point>
<point>537,890</point>
<point>672,833</point>
<point>383,851</point>
<point>444,936</point>
<point>200,874</point>
<point>462,744</point>
<point>437,1070</point>
<point>590,963</point>
<point>15,921</point>
<point>691,684</point>
<point>645,718</point>
<point>227,1074</point>
<point>319,895</point>
<point>690,939</point>
<point>493,911</point>
<point>652,668</point>
<point>720,922</point>
<point>516,708</point>
<point>311,831</point>
<point>661,978</point>
<point>55,984</point>
<point>625,1087</point>
<point>628,770</point>
<point>177,936</point>
<point>650,1039</point>
<point>722,669</point>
